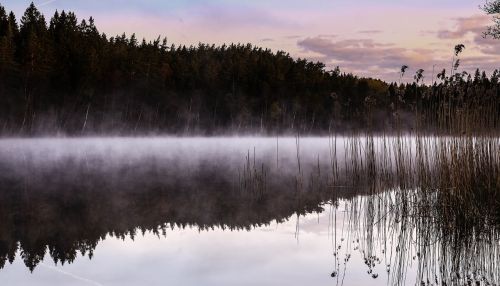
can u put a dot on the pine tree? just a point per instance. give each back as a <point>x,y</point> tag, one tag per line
<point>33,44</point>
<point>8,34</point>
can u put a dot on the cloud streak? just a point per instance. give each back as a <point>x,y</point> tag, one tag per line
<point>71,275</point>
<point>370,32</point>
<point>46,3</point>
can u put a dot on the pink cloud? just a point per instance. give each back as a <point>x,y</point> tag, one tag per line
<point>374,58</point>
<point>464,25</point>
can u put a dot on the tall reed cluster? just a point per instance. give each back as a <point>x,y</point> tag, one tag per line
<point>428,201</point>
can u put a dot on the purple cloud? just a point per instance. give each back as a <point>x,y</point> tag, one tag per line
<point>474,26</point>
<point>370,32</point>
<point>366,57</point>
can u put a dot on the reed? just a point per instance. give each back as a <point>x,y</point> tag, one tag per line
<point>429,201</point>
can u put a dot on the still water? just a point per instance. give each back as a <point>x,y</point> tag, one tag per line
<point>221,211</point>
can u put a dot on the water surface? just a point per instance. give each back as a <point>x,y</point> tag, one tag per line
<point>225,211</point>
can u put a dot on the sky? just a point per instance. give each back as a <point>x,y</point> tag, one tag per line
<point>366,37</point>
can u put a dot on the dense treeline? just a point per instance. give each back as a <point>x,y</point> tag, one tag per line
<point>64,76</point>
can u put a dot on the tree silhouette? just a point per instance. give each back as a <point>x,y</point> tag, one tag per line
<point>493,8</point>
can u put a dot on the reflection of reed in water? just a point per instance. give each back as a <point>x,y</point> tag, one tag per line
<point>428,202</point>
<point>391,241</point>
<point>434,203</point>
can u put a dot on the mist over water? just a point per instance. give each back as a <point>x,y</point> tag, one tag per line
<point>170,152</point>
<point>127,160</point>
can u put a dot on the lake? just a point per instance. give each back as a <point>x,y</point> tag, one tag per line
<point>250,211</point>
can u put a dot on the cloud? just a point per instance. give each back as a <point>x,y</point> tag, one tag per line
<point>267,40</point>
<point>46,3</point>
<point>366,57</point>
<point>71,275</point>
<point>328,35</point>
<point>374,58</point>
<point>474,24</point>
<point>370,32</point>
<point>472,28</point>
<point>238,16</point>
<point>293,37</point>
<point>362,53</point>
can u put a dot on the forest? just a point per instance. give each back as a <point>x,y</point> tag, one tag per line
<point>64,77</point>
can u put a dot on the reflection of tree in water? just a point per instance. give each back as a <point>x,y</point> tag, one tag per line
<point>71,218</point>
<point>433,204</point>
